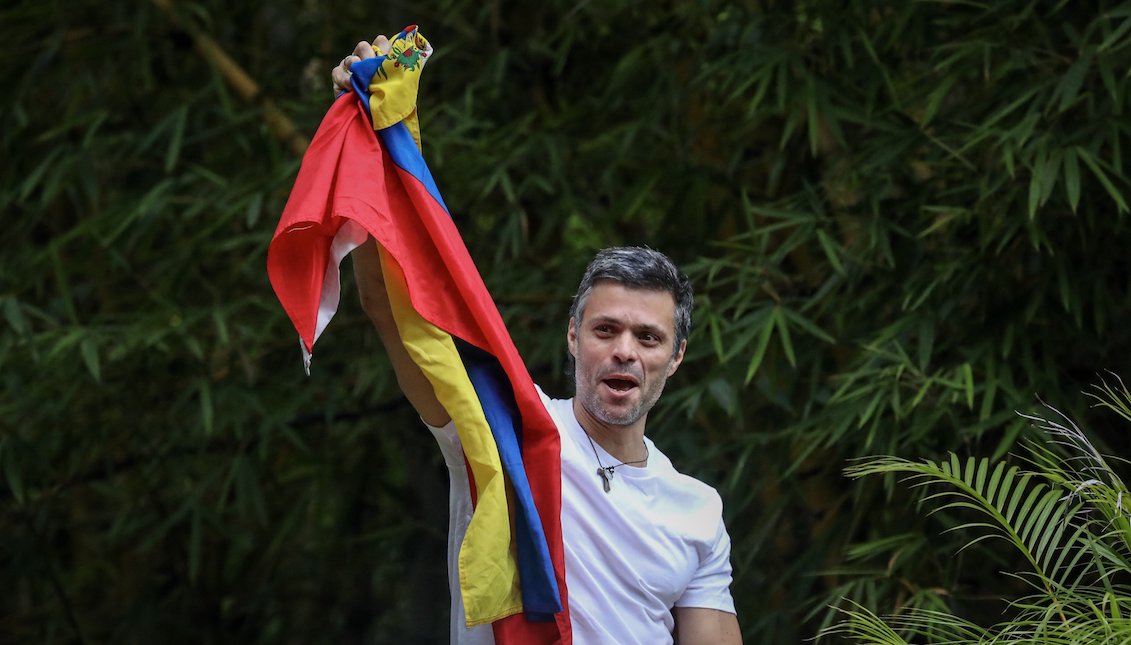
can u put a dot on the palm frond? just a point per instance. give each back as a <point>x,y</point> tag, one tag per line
<point>1065,517</point>
<point>1039,520</point>
<point>864,626</point>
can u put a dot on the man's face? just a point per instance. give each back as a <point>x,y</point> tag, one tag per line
<point>623,351</point>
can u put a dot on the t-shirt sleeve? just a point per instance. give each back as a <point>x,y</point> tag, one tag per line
<point>459,517</point>
<point>710,586</point>
<point>448,439</point>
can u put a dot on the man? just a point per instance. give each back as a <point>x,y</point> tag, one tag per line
<point>647,557</point>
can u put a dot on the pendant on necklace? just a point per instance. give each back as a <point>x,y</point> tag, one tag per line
<point>606,475</point>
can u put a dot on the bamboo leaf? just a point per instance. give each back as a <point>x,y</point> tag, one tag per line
<point>935,99</point>
<point>1035,187</point>
<point>713,326</point>
<point>176,139</point>
<point>1069,87</point>
<point>207,411</point>
<point>813,117</point>
<point>1072,178</point>
<point>11,465</point>
<point>830,251</point>
<point>254,210</point>
<point>1111,39</point>
<point>1050,173</point>
<point>783,335</point>
<point>63,283</point>
<point>724,395</point>
<point>89,350</point>
<point>807,325</point>
<point>926,342</point>
<point>33,180</point>
<point>1097,171</point>
<point>1025,99</point>
<point>968,381</point>
<point>760,349</point>
<point>14,314</point>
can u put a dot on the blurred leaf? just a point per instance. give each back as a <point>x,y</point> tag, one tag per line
<point>12,469</point>
<point>89,351</point>
<point>176,139</point>
<point>15,317</point>
<point>1102,177</point>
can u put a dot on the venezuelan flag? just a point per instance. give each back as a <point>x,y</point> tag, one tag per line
<point>363,176</point>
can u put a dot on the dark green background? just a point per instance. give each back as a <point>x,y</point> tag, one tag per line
<point>905,221</point>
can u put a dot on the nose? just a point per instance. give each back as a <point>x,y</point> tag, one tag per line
<point>623,348</point>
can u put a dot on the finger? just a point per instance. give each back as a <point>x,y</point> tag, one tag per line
<point>363,50</point>
<point>340,75</point>
<point>382,44</point>
<point>339,86</point>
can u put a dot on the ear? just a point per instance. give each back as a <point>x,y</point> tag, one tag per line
<point>678,358</point>
<point>571,338</point>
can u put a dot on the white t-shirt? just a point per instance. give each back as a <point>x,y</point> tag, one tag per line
<point>655,541</point>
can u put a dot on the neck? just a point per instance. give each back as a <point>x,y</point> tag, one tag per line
<point>624,443</point>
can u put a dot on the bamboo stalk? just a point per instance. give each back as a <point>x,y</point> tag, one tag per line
<point>241,82</point>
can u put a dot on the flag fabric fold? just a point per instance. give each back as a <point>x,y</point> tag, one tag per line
<point>364,176</point>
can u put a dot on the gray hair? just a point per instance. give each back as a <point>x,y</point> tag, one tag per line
<point>639,268</point>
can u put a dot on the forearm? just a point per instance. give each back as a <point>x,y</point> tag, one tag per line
<point>699,626</point>
<point>375,302</point>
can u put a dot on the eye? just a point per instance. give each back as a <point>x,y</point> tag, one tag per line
<point>648,338</point>
<point>603,329</point>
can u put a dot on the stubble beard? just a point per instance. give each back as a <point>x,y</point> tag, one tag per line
<point>591,401</point>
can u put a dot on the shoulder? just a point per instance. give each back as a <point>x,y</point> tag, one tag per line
<point>694,507</point>
<point>561,410</point>
<point>703,499</point>
<point>552,404</point>
<point>688,489</point>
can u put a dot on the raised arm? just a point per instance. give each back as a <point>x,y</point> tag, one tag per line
<point>371,283</point>
<point>375,302</point>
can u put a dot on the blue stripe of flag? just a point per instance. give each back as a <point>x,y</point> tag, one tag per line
<point>540,594</point>
<point>540,599</point>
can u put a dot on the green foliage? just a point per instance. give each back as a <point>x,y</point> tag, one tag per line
<point>902,219</point>
<point>1066,518</point>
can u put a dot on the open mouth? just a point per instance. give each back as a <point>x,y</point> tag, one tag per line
<point>620,384</point>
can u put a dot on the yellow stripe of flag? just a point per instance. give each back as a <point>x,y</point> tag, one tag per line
<point>488,572</point>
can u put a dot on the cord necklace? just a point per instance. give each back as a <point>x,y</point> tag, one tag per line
<point>606,472</point>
